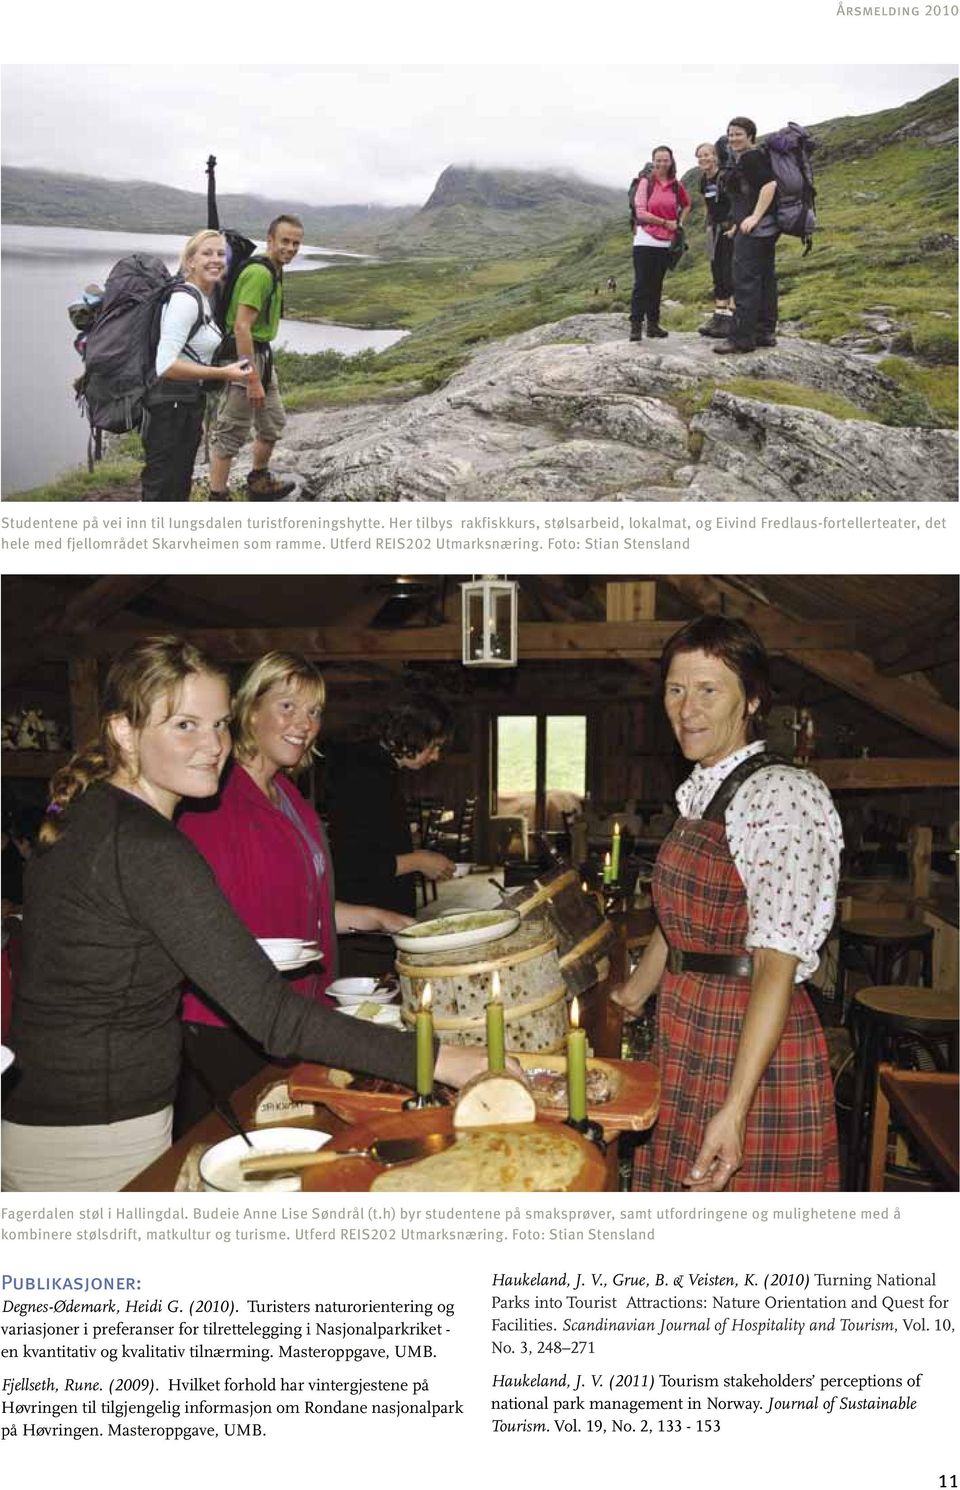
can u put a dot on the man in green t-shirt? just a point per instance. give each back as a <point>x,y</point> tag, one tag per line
<point>253,319</point>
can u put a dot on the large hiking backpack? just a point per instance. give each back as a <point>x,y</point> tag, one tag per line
<point>121,345</point>
<point>794,207</point>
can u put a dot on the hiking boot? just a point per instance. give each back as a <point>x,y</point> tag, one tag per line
<point>766,341</point>
<point>654,329</point>
<point>728,348</point>
<point>718,326</point>
<point>636,331</point>
<point>262,487</point>
<point>218,496</point>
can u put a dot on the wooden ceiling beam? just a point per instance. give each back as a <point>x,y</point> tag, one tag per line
<point>903,650</point>
<point>82,613</point>
<point>101,600</point>
<point>538,640</point>
<point>881,773</point>
<point>631,600</point>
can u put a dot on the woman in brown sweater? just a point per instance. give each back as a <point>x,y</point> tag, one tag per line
<point>119,907</point>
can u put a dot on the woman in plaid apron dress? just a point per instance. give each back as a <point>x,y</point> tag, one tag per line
<point>744,890</point>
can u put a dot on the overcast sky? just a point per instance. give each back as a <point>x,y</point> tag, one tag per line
<point>373,134</point>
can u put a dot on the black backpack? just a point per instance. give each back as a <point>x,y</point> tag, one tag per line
<point>121,345</point>
<point>241,252</point>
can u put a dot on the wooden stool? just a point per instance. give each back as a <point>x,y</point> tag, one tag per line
<point>876,948</point>
<point>880,1017</point>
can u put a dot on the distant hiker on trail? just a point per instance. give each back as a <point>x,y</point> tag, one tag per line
<point>659,207</point>
<point>174,408</point>
<point>720,236</point>
<point>254,308</point>
<point>752,186</point>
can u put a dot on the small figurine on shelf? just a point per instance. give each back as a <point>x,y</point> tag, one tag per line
<point>805,738</point>
<point>30,730</point>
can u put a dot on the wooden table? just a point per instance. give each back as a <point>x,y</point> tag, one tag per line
<point>161,1175</point>
<point>925,1103</point>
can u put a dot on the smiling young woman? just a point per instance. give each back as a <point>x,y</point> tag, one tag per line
<point>189,339</point>
<point>269,852</point>
<point>118,908</point>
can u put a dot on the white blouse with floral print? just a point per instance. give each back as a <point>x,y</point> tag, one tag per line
<point>785,838</point>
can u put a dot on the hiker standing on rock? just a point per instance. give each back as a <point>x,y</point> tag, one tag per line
<point>659,207</point>
<point>173,415</point>
<point>720,236</point>
<point>752,187</point>
<point>252,322</point>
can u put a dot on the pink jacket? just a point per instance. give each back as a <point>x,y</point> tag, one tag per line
<point>658,198</point>
<point>265,869</point>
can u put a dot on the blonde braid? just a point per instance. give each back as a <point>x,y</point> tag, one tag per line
<point>95,763</point>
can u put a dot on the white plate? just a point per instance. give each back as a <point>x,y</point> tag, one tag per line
<point>507,921</point>
<point>351,1000</point>
<point>388,1014</point>
<point>303,960</point>
<point>218,1166</point>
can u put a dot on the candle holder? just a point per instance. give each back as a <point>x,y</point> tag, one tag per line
<point>587,1128</point>
<point>419,1101</point>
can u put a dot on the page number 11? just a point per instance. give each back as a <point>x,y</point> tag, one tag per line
<point>947,1482</point>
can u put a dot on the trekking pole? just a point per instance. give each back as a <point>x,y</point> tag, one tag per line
<point>213,217</point>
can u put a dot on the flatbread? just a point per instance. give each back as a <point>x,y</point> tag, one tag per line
<point>526,1157</point>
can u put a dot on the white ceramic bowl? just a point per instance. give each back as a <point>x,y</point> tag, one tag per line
<point>281,948</point>
<point>349,991</point>
<point>220,1165</point>
<point>459,870</point>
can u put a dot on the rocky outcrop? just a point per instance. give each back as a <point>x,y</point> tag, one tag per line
<point>789,454</point>
<point>575,411</point>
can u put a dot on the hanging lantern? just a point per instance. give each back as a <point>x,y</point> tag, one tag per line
<point>489,615</point>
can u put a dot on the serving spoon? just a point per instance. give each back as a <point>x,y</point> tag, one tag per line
<point>386,1151</point>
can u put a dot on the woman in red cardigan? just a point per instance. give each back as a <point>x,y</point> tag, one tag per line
<point>268,850</point>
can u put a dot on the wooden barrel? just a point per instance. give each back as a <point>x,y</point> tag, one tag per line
<point>532,989</point>
<point>584,935</point>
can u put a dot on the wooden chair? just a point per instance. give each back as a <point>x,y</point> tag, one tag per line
<point>458,845</point>
<point>891,1023</point>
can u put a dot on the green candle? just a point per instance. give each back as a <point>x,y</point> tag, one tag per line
<point>424,1028</point>
<point>576,1067</point>
<point>496,1055</point>
<point>615,855</point>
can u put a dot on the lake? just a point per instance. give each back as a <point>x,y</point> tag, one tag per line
<point>44,269</point>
